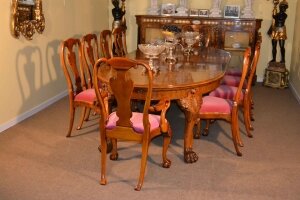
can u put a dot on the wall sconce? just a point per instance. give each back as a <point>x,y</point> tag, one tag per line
<point>27,18</point>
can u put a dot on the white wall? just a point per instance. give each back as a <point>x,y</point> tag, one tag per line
<point>31,75</point>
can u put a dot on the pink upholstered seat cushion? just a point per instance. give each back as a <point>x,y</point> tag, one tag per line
<point>87,96</point>
<point>234,72</point>
<point>215,105</point>
<point>226,92</point>
<point>232,81</point>
<point>137,121</point>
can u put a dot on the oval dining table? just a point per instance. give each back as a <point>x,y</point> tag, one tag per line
<point>185,81</point>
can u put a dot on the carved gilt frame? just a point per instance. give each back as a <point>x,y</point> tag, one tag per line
<point>27,18</point>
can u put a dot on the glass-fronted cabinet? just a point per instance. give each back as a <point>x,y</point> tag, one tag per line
<point>233,34</point>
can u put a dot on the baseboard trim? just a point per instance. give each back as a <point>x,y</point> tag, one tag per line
<point>294,91</point>
<point>259,80</point>
<point>33,111</point>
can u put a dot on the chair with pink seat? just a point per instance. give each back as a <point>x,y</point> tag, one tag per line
<point>119,41</point>
<point>123,123</point>
<point>232,80</point>
<point>81,94</point>
<point>106,44</point>
<point>234,72</point>
<point>214,108</point>
<point>228,91</point>
<point>90,53</point>
<point>232,75</point>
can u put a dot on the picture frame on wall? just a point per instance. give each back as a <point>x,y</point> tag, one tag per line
<point>231,11</point>
<point>168,9</point>
<point>203,12</point>
<point>194,12</point>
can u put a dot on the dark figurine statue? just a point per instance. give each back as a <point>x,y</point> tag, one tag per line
<point>117,11</point>
<point>278,30</point>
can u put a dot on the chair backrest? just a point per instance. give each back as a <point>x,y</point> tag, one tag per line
<point>71,63</point>
<point>246,62</point>
<point>90,54</point>
<point>119,41</point>
<point>106,44</point>
<point>254,62</point>
<point>208,34</point>
<point>121,86</point>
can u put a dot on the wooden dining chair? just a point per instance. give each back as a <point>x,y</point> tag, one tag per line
<point>80,92</point>
<point>234,73</point>
<point>214,108</point>
<point>119,41</point>
<point>233,77</point>
<point>90,54</point>
<point>106,44</point>
<point>228,92</point>
<point>123,124</point>
<point>113,43</point>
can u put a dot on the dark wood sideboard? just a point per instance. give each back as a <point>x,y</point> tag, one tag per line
<point>229,30</point>
<point>243,31</point>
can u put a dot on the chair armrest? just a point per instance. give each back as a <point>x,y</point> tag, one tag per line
<point>162,106</point>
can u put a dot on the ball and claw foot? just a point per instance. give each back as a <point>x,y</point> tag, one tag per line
<point>205,132</point>
<point>249,134</point>
<point>197,135</point>
<point>114,156</point>
<point>252,118</point>
<point>190,156</point>
<point>166,163</point>
<point>109,147</point>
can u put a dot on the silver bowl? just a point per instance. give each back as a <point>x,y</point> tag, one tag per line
<point>151,50</point>
<point>190,37</point>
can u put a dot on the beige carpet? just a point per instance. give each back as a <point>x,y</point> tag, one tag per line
<point>37,161</point>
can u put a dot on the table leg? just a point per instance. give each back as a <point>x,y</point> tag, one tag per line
<point>191,105</point>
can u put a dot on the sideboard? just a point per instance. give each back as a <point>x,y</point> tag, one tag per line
<point>229,30</point>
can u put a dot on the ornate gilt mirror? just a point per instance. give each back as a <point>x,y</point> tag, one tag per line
<point>27,18</point>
